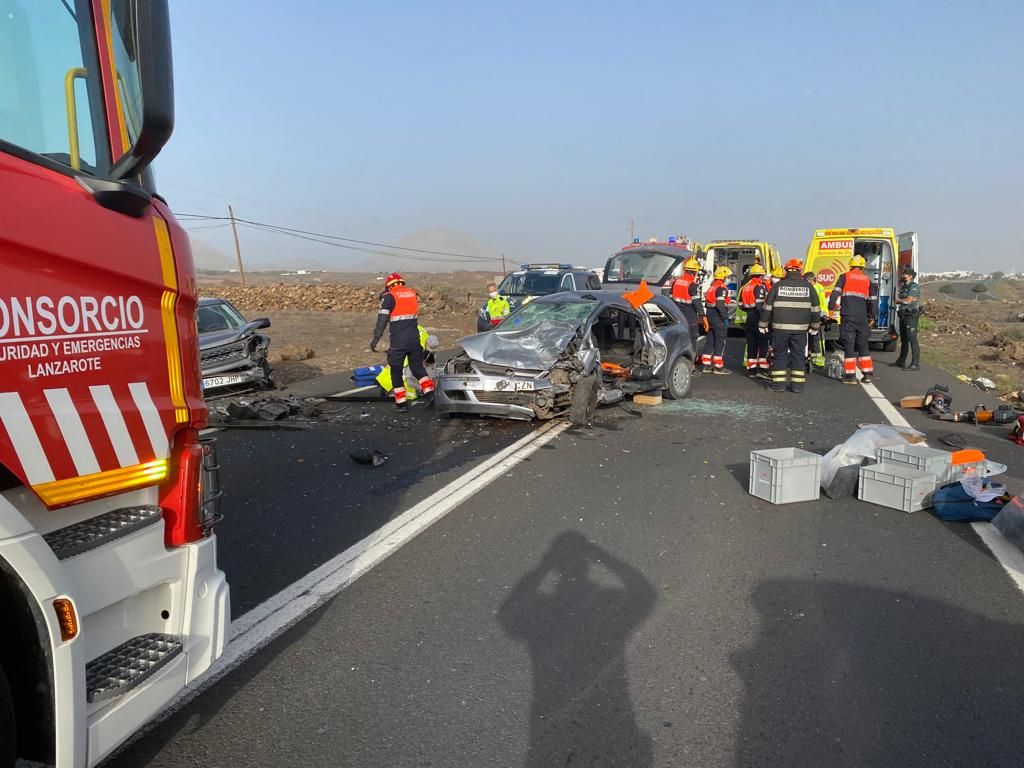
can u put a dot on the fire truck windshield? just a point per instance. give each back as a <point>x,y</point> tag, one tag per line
<point>51,92</point>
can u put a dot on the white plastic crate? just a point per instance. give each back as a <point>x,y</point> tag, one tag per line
<point>919,457</point>
<point>785,475</point>
<point>896,486</point>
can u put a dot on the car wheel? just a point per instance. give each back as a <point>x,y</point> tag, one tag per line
<point>680,376</point>
<point>584,401</point>
<point>889,346</point>
<point>8,734</point>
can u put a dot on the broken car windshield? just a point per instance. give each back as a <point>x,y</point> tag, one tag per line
<point>534,312</point>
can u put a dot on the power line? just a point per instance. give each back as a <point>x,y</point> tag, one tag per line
<point>203,228</point>
<point>391,255</point>
<point>278,228</point>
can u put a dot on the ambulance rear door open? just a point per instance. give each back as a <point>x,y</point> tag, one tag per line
<point>908,250</point>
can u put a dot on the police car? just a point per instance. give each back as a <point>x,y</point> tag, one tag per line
<point>533,280</point>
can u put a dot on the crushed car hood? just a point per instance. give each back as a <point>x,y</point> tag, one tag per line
<point>217,338</point>
<point>535,347</point>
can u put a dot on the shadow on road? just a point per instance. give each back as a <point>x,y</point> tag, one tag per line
<point>846,675</point>
<point>575,613</point>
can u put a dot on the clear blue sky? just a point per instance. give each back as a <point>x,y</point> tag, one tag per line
<point>540,128</point>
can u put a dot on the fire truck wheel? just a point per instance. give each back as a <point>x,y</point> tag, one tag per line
<point>8,735</point>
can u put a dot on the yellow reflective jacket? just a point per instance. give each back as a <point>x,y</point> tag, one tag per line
<point>384,377</point>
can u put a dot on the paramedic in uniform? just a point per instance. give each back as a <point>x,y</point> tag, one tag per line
<point>399,307</point>
<point>909,309</point>
<point>856,298</point>
<point>686,294</point>
<point>716,307</point>
<point>792,308</point>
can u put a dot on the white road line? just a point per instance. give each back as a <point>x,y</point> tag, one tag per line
<point>353,391</point>
<point>1011,558</point>
<point>255,628</point>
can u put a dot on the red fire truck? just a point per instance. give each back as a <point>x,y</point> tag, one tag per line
<point>111,601</point>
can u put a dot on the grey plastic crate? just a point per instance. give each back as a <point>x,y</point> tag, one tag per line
<point>785,475</point>
<point>896,486</point>
<point>919,457</point>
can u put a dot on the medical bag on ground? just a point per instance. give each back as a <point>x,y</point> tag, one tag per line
<point>954,504</point>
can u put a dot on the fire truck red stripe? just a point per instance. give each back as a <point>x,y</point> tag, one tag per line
<point>50,436</point>
<point>133,423</point>
<point>73,431</point>
<point>114,426</point>
<point>24,439</point>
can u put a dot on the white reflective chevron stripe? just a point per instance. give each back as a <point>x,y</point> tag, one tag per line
<point>151,419</point>
<point>24,439</point>
<point>71,427</point>
<point>117,430</point>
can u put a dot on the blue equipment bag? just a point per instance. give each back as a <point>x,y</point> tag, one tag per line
<point>953,504</point>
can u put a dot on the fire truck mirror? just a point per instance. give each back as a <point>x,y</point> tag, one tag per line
<point>142,54</point>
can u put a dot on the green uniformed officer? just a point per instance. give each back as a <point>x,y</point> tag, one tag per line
<point>909,309</point>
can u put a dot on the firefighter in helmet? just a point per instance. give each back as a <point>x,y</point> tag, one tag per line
<point>685,292</point>
<point>856,297</point>
<point>716,307</point>
<point>399,308</point>
<point>752,296</point>
<point>792,309</point>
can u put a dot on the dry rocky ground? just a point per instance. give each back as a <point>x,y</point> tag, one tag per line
<point>976,336</point>
<point>320,327</point>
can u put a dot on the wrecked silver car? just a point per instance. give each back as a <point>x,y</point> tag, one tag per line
<point>567,353</point>
<point>231,352</point>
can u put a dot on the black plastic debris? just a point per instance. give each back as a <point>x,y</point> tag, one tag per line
<point>953,440</point>
<point>369,457</point>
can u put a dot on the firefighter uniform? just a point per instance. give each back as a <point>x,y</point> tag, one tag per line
<point>399,307</point>
<point>792,309</point>
<point>909,301</point>
<point>856,297</point>
<point>716,307</point>
<point>752,296</point>
<point>686,294</point>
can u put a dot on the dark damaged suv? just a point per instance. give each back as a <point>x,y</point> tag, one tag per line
<point>231,352</point>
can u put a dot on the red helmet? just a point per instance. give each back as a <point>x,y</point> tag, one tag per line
<point>793,265</point>
<point>393,279</point>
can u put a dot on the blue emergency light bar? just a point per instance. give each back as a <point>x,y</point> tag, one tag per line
<point>545,266</point>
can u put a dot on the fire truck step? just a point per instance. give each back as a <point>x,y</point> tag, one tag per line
<point>97,531</point>
<point>122,668</point>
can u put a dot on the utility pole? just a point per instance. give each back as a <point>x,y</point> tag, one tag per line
<point>632,229</point>
<point>238,249</point>
<point>503,270</point>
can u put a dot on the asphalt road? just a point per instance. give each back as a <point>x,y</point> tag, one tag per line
<point>618,599</point>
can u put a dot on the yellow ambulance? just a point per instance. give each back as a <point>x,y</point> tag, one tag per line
<point>885,252</point>
<point>739,256</point>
